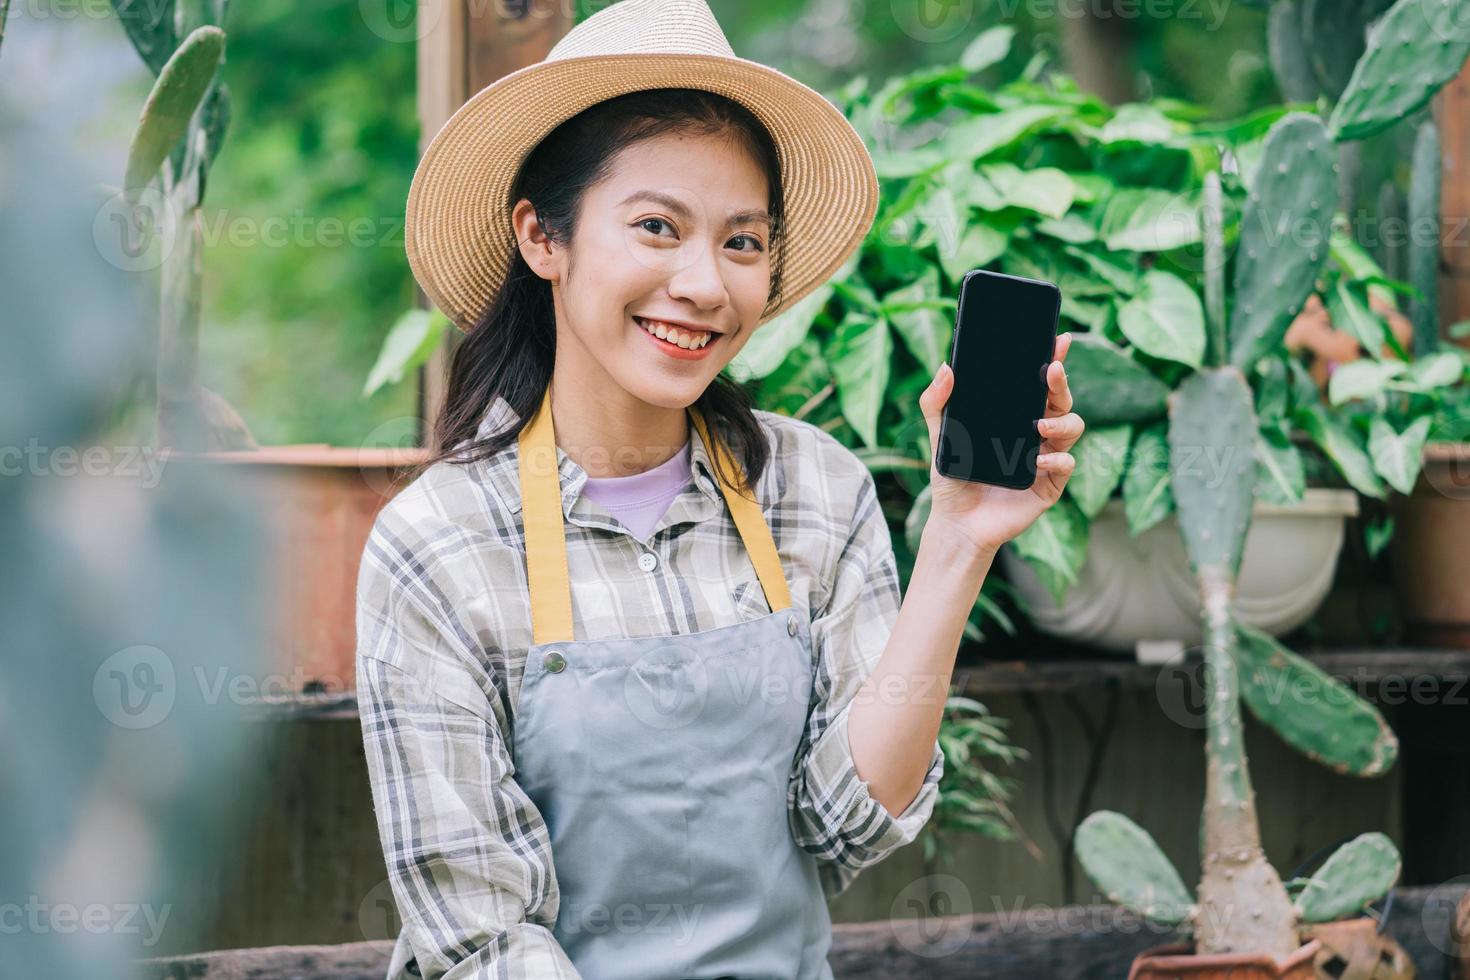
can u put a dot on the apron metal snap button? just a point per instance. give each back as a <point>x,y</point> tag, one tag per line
<point>555,662</point>
<point>791,625</point>
<point>648,562</point>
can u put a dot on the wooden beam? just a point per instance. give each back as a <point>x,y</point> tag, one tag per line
<point>466,45</point>
<point>1074,942</point>
<point>1452,115</point>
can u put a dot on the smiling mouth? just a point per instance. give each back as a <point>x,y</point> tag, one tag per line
<point>678,336</point>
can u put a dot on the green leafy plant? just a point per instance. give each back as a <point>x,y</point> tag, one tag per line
<point>973,796</point>
<point>1036,178</point>
<point>1241,905</point>
<point>410,343</point>
<point>178,137</point>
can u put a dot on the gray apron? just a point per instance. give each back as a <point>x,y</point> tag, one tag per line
<point>661,766</point>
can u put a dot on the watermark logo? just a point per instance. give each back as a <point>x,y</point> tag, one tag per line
<point>135,687</point>
<point>933,906</point>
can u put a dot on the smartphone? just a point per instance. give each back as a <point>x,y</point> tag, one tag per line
<point>1005,337</point>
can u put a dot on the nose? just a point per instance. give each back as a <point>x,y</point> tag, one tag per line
<point>701,281</point>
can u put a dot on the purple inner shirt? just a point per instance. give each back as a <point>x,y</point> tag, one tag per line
<point>639,501</point>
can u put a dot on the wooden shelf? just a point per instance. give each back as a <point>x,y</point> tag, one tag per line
<point>1354,665</point>
<point>1043,675</point>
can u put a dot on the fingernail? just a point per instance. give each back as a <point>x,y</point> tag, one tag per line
<point>946,369</point>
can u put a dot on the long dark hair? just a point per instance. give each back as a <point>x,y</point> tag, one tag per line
<point>510,350</point>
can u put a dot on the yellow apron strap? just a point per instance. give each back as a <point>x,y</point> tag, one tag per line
<point>546,546</point>
<point>749,521</point>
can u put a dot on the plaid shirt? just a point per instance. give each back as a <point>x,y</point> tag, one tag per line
<point>443,625</point>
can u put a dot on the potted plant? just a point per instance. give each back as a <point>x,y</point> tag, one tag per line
<point>1243,917</point>
<point>321,501</point>
<point>1381,400</point>
<point>1042,180</point>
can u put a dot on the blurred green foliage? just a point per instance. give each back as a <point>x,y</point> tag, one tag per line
<point>305,272</point>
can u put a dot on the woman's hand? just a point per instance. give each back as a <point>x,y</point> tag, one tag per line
<point>988,516</point>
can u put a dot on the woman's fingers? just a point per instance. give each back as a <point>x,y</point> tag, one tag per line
<point>1059,394</point>
<point>1061,431</point>
<point>1057,463</point>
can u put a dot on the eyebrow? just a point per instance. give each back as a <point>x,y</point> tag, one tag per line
<point>673,204</point>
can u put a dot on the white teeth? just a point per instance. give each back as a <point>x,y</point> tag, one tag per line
<point>674,335</point>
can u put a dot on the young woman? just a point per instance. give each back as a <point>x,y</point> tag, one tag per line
<point>638,692</point>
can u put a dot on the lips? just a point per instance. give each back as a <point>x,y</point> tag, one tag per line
<point>676,336</point>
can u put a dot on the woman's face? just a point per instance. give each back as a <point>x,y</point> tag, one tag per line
<point>676,231</point>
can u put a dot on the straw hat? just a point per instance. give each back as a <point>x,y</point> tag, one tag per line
<point>458,230</point>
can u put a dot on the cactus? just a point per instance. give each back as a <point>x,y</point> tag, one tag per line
<point>1313,712</point>
<point>1391,218</point>
<point>1416,48</point>
<point>1212,217</point>
<point>1423,248</point>
<point>1285,43</point>
<point>179,133</point>
<point>1332,31</point>
<point>169,112</point>
<point>1241,904</point>
<point>1130,868</point>
<point>1284,232</point>
<point>1357,873</point>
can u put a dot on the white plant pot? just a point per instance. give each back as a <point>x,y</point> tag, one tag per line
<point>1141,589</point>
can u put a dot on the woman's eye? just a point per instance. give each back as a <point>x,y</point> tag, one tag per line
<point>653,221</point>
<point>755,243</point>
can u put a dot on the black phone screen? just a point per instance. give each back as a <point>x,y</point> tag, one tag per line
<point>1004,339</point>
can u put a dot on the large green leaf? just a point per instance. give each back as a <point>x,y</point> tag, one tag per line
<point>1142,219</point>
<point>1280,476</point>
<point>409,344</point>
<point>922,318</point>
<point>979,245</point>
<point>779,336</point>
<point>150,26</point>
<point>861,356</point>
<point>988,48</point>
<point>1342,446</point>
<point>1147,496</point>
<point>1108,386</point>
<point>982,135</point>
<point>1102,457</point>
<point>1165,319</point>
<point>1398,456</point>
<point>1055,545</point>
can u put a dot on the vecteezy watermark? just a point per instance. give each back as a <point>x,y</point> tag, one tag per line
<point>99,918</point>
<point>139,235</point>
<point>1211,11</point>
<point>926,915</point>
<point>1439,917</point>
<point>1095,916</point>
<point>138,686</point>
<point>38,459</point>
<point>377,913</point>
<point>405,21</point>
<point>1180,689</point>
<point>675,920</point>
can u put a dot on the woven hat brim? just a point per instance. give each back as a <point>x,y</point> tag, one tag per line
<point>457,228</point>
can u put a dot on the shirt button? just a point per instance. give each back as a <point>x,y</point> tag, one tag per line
<point>648,561</point>
<point>555,662</point>
<point>791,625</point>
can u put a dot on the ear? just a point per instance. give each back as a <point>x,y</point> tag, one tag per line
<point>537,249</point>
